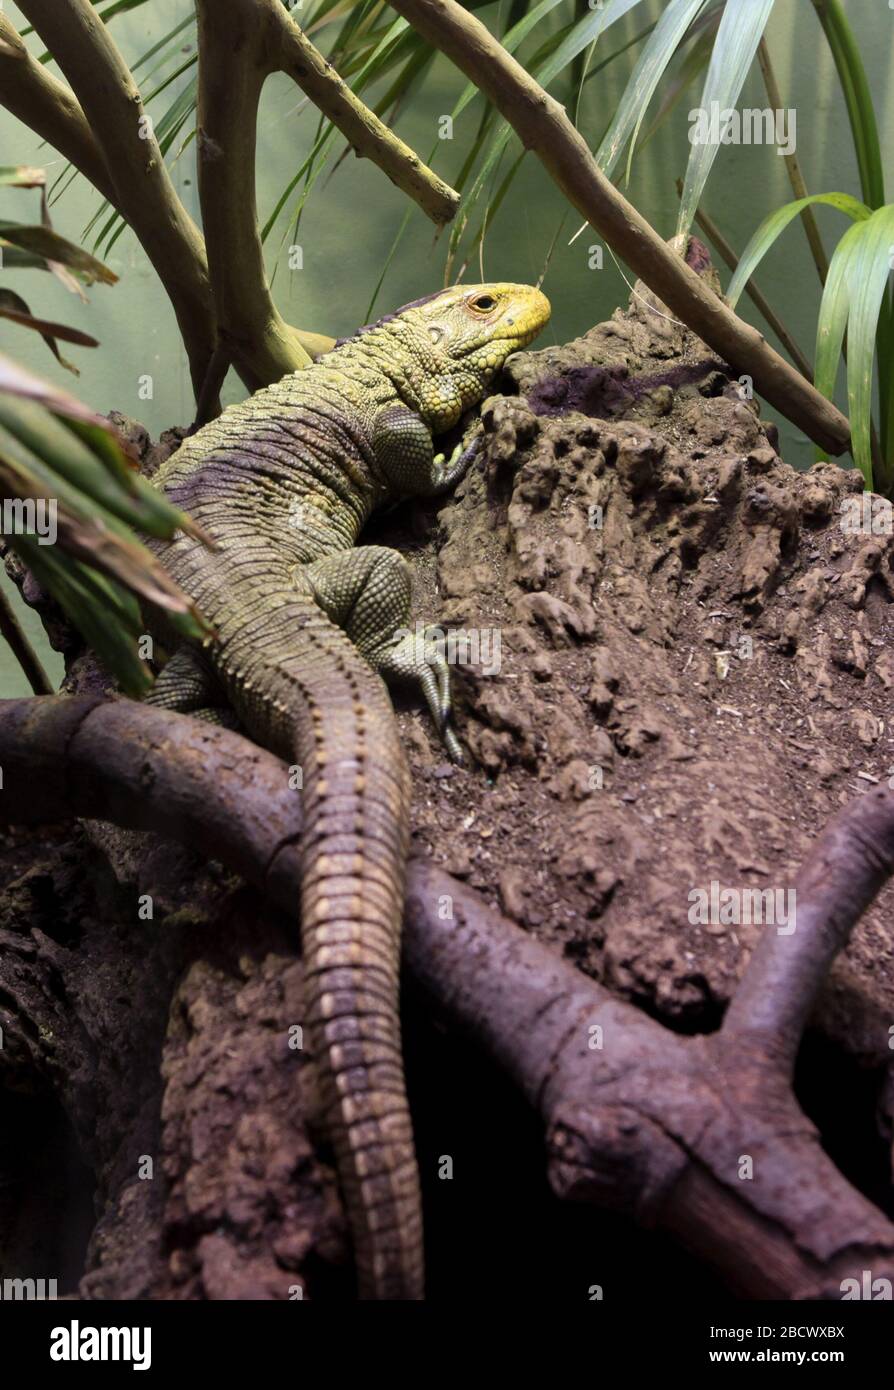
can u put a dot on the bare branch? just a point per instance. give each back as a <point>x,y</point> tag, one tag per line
<point>50,109</point>
<point>145,195</point>
<point>542,126</point>
<point>209,787</point>
<point>641,1120</point>
<point>233,67</point>
<point>241,42</point>
<point>368,136</point>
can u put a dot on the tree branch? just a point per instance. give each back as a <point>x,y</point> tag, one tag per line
<point>542,126</point>
<point>145,195</point>
<point>369,137</point>
<point>241,42</point>
<point>641,1120</point>
<point>233,66</point>
<point>111,141</point>
<point>849,864</point>
<point>647,1122</point>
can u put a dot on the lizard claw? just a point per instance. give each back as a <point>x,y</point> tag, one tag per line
<point>420,658</point>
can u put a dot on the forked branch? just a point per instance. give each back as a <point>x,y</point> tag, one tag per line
<point>50,109</point>
<point>98,122</point>
<point>241,42</point>
<point>849,864</point>
<point>233,66</point>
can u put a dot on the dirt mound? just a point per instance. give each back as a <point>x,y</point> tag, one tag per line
<point>684,662</point>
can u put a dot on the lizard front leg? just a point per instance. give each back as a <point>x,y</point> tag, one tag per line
<point>405,451</point>
<point>367,592</point>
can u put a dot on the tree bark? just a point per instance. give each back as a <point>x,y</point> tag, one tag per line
<point>111,102</point>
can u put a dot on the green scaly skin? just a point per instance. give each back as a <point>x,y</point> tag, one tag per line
<point>304,631</point>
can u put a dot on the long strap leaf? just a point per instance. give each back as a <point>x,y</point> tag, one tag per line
<point>738,36</point>
<point>775,224</point>
<point>651,65</point>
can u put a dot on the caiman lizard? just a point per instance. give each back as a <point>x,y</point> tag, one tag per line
<point>304,625</point>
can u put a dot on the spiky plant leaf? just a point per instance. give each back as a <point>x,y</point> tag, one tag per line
<point>775,224</point>
<point>852,300</point>
<point>738,36</point>
<point>650,68</point>
<point>54,450</point>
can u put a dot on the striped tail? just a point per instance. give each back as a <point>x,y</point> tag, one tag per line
<point>302,688</point>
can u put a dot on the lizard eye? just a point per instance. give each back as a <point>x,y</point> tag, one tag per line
<point>484,303</point>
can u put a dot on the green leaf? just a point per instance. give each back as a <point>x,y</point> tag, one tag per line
<point>117,489</point>
<point>14,308</point>
<point>188,23</point>
<point>87,600</point>
<point>44,242</point>
<point>585,32</point>
<point>119,7</point>
<point>511,41</point>
<point>14,259</point>
<point>578,37</point>
<point>857,98</point>
<point>772,227</point>
<point>738,36</point>
<point>657,54</point>
<point>867,270</point>
<point>97,568</point>
<point>689,66</point>
<point>156,514</point>
<point>833,313</point>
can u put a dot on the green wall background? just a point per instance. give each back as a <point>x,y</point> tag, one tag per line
<point>351,220</point>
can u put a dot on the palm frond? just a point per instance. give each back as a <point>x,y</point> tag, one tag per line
<point>57,453</point>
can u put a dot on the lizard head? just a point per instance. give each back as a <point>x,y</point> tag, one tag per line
<point>480,325</point>
<point>467,332</point>
<point>443,351</point>
<point>476,327</point>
